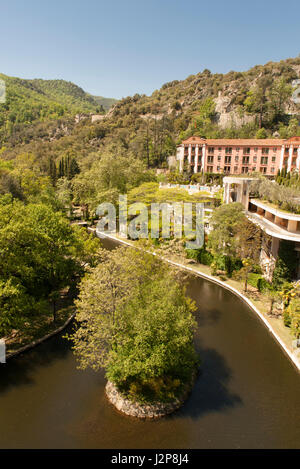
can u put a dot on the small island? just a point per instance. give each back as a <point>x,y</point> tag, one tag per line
<point>136,322</point>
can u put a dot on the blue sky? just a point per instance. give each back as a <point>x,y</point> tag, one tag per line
<point>116,48</point>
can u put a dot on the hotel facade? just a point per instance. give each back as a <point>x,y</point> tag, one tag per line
<point>239,156</point>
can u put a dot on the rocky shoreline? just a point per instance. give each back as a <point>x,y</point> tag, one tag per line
<point>146,411</point>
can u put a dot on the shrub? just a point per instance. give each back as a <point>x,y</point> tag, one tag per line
<point>257,281</point>
<point>262,284</point>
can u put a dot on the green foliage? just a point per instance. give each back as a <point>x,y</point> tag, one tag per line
<point>104,103</point>
<point>68,167</point>
<point>39,253</point>
<point>200,255</point>
<point>108,177</point>
<point>286,318</point>
<point>285,264</point>
<point>262,284</point>
<point>231,235</point>
<point>293,316</point>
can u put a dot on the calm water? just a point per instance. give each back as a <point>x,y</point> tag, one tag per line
<point>247,396</point>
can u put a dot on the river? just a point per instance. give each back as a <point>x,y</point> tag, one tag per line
<point>247,395</point>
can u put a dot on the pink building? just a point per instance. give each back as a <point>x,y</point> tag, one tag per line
<point>239,156</point>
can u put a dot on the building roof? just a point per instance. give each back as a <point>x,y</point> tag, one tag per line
<point>242,141</point>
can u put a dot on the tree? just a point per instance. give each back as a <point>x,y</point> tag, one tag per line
<point>16,306</point>
<point>108,177</point>
<point>64,193</point>
<point>135,321</point>
<point>279,93</point>
<point>285,264</point>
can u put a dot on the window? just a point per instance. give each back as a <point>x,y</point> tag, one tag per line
<point>228,150</point>
<point>209,169</point>
<point>273,159</point>
<point>263,170</point>
<point>246,151</point>
<point>274,149</point>
<point>219,157</point>
<point>236,158</point>
<point>237,149</point>
<point>265,151</point>
<point>254,159</point>
<point>228,159</point>
<point>235,169</point>
<point>220,148</point>
<point>264,160</point>
<point>211,149</point>
<point>245,169</point>
<point>218,168</point>
<point>210,159</point>
<point>246,159</point>
<point>286,150</point>
<point>295,151</point>
<point>272,169</point>
<point>253,169</point>
<point>255,150</point>
<point>226,169</point>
